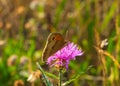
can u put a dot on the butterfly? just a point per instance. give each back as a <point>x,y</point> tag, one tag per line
<point>55,42</point>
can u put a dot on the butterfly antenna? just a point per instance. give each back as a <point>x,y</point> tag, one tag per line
<point>66,31</point>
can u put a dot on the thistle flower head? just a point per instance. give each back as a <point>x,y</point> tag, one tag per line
<point>62,57</point>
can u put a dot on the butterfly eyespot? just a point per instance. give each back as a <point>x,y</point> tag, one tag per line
<point>53,38</point>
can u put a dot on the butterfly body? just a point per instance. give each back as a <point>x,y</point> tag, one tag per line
<point>55,42</point>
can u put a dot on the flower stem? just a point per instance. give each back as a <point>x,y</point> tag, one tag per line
<point>60,77</point>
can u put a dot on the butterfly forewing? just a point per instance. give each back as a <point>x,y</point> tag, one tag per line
<point>55,42</point>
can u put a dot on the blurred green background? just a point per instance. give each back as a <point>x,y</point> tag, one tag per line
<point>25,25</point>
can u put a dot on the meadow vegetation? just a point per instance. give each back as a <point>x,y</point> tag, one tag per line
<point>94,25</point>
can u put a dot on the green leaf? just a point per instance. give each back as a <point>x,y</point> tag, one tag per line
<point>47,82</point>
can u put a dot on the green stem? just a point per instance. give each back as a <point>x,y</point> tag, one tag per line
<point>60,77</point>
<point>44,76</point>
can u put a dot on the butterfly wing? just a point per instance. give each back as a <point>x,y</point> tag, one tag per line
<point>54,43</point>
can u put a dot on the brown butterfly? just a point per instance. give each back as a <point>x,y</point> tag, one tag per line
<point>55,42</point>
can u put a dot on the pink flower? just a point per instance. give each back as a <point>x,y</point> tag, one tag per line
<point>62,57</point>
